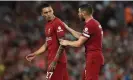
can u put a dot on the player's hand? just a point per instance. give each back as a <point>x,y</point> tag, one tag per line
<point>64,42</point>
<point>30,57</point>
<point>52,66</point>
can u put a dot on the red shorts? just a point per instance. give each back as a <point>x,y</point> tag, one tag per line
<point>60,72</point>
<point>94,63</point>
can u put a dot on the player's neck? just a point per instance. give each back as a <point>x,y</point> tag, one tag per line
<point>88,18</point>
<point>52,18</point>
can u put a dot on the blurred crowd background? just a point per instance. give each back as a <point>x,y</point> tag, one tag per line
<point>22,32</point>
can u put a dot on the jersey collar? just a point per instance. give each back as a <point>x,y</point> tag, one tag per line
<point>89,20</point>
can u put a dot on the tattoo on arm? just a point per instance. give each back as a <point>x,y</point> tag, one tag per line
<point>59,52</point>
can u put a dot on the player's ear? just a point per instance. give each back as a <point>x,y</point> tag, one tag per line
<point>85,13</point>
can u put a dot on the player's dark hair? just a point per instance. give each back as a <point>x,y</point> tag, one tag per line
<point>87,7</point>
<point>44,5</point>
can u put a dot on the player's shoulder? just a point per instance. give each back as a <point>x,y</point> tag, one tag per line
<point>58,20</point>
<point>58,23</point>
<point>92,22</point>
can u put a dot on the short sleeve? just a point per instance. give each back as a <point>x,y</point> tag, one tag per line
<point>60,29</point>
<point>87,31</point>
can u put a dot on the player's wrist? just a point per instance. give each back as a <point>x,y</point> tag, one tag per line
<point>36,54</point>
<point>68,43</point>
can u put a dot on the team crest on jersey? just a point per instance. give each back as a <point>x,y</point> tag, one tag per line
<point>86,30</point>
<point>59,29</point>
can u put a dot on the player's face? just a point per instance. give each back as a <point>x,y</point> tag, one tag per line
<point>80,13</point>
<point>47,13</point>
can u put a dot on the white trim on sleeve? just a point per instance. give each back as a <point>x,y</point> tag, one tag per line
<point>86,35</point>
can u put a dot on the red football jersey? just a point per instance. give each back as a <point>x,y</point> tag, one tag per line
<point>93,31</point>
<point>54,30</point>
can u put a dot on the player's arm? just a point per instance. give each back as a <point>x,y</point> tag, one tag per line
<point>60,50</point>
<point>87,32</point>
<point>39,51</point>
<point>42,49</point>
<point>73,32</point>
<point>58,54</point>
<point>77,43</point>
<point>60,29</point>
<point>54,62</point>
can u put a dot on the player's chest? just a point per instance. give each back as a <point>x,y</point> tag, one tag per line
<point>49,30</point>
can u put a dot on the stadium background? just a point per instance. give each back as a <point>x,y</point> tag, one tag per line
<point>22,32</point>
